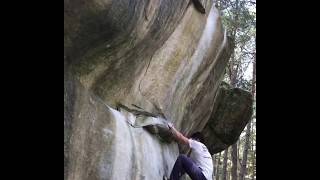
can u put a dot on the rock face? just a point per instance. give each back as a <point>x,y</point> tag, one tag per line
<point>100,144</point>
<point>164,57</point>
<point>232,111</point>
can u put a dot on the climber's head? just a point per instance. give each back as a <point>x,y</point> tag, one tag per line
<point>198,136</point>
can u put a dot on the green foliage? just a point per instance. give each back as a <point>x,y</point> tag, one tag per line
<point>239,18</point>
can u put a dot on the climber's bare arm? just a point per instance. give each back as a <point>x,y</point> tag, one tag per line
<point>178,136</point>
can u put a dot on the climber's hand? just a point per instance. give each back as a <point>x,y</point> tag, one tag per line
<point>177,135</point>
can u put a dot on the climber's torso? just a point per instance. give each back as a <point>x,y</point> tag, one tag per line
<point>202,158</point>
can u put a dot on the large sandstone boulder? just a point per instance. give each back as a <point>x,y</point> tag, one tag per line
<point>167,62</point>
<point>165,57</point>
<point>231,113</point>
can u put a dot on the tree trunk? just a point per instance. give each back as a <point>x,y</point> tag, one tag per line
<point>234,158</point>
<point>217,167</point>
<point>254,155</point>
<point>225,161</point>
<point>254,165</point>
<point>253,94</point>
<point>245,153</point>
<point>239,147</point>
<point>254,76</point>
<point>233,81</point>
<point>214,157</point>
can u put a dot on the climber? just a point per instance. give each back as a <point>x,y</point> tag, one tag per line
<point>199,165</point>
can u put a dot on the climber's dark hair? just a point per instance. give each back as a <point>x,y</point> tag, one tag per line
<point>197,136</point>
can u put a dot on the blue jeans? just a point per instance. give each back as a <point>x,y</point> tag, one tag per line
<point>183,165</point>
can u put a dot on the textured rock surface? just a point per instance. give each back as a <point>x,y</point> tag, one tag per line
<point>232,111</point>
<point>171,54</point>
<point>103,145</point>
<point>164,56</point>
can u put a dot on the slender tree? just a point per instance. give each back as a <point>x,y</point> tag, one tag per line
<point>225,164</point>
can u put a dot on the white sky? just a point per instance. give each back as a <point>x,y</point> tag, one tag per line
<point>248,73</point>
